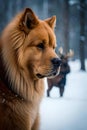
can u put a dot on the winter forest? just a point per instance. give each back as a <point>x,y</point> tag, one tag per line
<point>70,111</point>
<point>71,25</point>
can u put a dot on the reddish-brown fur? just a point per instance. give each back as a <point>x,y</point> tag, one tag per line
<point>26,56</point>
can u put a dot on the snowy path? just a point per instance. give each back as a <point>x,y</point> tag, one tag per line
<point>69,112</point>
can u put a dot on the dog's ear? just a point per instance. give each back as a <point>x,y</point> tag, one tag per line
<point>29,20</point>
<point>51,22</point>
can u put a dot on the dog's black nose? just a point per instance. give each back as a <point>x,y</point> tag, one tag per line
<point>56,62</point>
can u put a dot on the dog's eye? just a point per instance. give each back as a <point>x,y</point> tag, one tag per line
<point>40,46</point>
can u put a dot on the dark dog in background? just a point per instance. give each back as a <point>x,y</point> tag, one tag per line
<point>60,80</point>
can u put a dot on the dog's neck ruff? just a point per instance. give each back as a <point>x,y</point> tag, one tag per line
<point>15,79</point>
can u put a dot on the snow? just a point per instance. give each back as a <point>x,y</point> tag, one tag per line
<point>69,112</point>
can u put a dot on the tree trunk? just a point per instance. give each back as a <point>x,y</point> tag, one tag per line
<point>66,26</point>
<point>82,34</point>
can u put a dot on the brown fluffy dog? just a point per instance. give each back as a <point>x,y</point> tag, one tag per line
<point>26,56</point>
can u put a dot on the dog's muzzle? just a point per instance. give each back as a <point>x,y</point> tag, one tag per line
<point>56,62</point>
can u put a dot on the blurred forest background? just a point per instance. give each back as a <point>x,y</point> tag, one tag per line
<point>71,25</point>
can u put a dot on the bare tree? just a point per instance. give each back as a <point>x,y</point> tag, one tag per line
<point>82,34</point>
<point>66,25</point>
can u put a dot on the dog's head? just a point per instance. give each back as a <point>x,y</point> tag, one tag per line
<point>34,42</point>
<point>38,55</point>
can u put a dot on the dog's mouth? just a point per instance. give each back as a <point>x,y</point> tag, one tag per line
<point>51,74</point>
<point>40,76</point>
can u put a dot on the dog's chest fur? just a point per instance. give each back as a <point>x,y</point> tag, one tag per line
<point>15,108</point>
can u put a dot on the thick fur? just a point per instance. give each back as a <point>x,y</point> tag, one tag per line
<point>26,50</point>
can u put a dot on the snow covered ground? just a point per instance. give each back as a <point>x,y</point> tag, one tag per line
<point>69,112</point>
